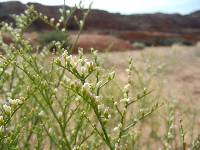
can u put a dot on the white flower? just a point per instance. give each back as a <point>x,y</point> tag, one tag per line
<point>111,75</point>
<point>68,12</point>
<point>83,70</point>
<point>41,114</point>
<point>126,87</point>
<point>63,30</point>
<point>12,102</point>
<point>7,109</point>
<point>90,66</point>
<point>66,78</point>
<point>98,98</point>
<point>60,114</point>
<point>98,84</point>
<point>81,23</point>
<point>26,12</point>
<point>100,107</point>
<point>115,103</point>
<point>15,102</point>
<point>58,24</point>
<point>94,51</point>
<point>61,19</point>
<point>19,101</point>
<point>56,90</point>
<point>86,86</point>
<point>106,110</point>
<point>125,99</point>
<point>78,98</point>
<point>60,10</point>
<point>69,59</point>
<point>115,128</point>
<point>80,51</point>
<point>45,17</point>
<point>50,130</point>
<point>65,53</point>
<point>52,20</point>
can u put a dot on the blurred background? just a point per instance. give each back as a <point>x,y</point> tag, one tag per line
<point>118,25</point>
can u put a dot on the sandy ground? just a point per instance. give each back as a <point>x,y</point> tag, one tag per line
<point>179,78</point>
<point>176,79</point>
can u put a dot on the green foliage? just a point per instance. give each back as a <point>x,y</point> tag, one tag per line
<point>138,45</point>
<point>172,41</point>
<point>49,38</point>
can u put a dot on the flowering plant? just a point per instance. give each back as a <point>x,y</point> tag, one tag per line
<point>57,100</point>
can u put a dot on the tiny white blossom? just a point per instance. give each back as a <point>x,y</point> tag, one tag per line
<point>115,103</point>
<point>83,70</point>
<point>50,130</point>
<point>63,29</point>
<point>115,128</point>
<point>86,86</point>
<point>78,98</point>
<point>68,12</point>
<point>111,75</point>
<point>52,20</point>
<point>61,19</point>
<point>98,98</point>
<point>60,114</point>
<point>45,17</point>
<point>12,102</point>
<point>58,25</point>
<point>126,87</point>
<point>81,23</point>
<point>7,109</point>
<point>101,107</point>
<point>99,84</point>
<point>19,101</point>
<point>60,10</point>
<point>41,114</point>
<point>125,99</point>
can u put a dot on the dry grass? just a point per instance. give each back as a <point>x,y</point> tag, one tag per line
<point>177,82</point>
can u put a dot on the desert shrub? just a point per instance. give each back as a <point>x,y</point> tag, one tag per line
<point>69,101</point>
<point>138,45</point>
<point>172,41</point>
<point>50,37</point>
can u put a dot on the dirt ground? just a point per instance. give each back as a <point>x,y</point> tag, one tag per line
<point>179,78</point>
<point>176,78</point>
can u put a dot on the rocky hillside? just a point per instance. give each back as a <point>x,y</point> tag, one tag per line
<point>151,29</point>
<point>103,20</point>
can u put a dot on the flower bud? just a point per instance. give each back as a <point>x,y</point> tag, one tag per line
<point>1,120</point>
<point>81,23</point>
<point>41,114</point>
<point>86,86</point>
<point>98,98</point>
<point>60,114</point>
<point>111,75</point>
<point>52,20</point>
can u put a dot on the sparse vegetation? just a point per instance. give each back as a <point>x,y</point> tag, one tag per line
<point>51,37</point>
<point>138,45</point>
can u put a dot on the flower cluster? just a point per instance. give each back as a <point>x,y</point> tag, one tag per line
<point>79,66</point>
<point>8,109</point>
